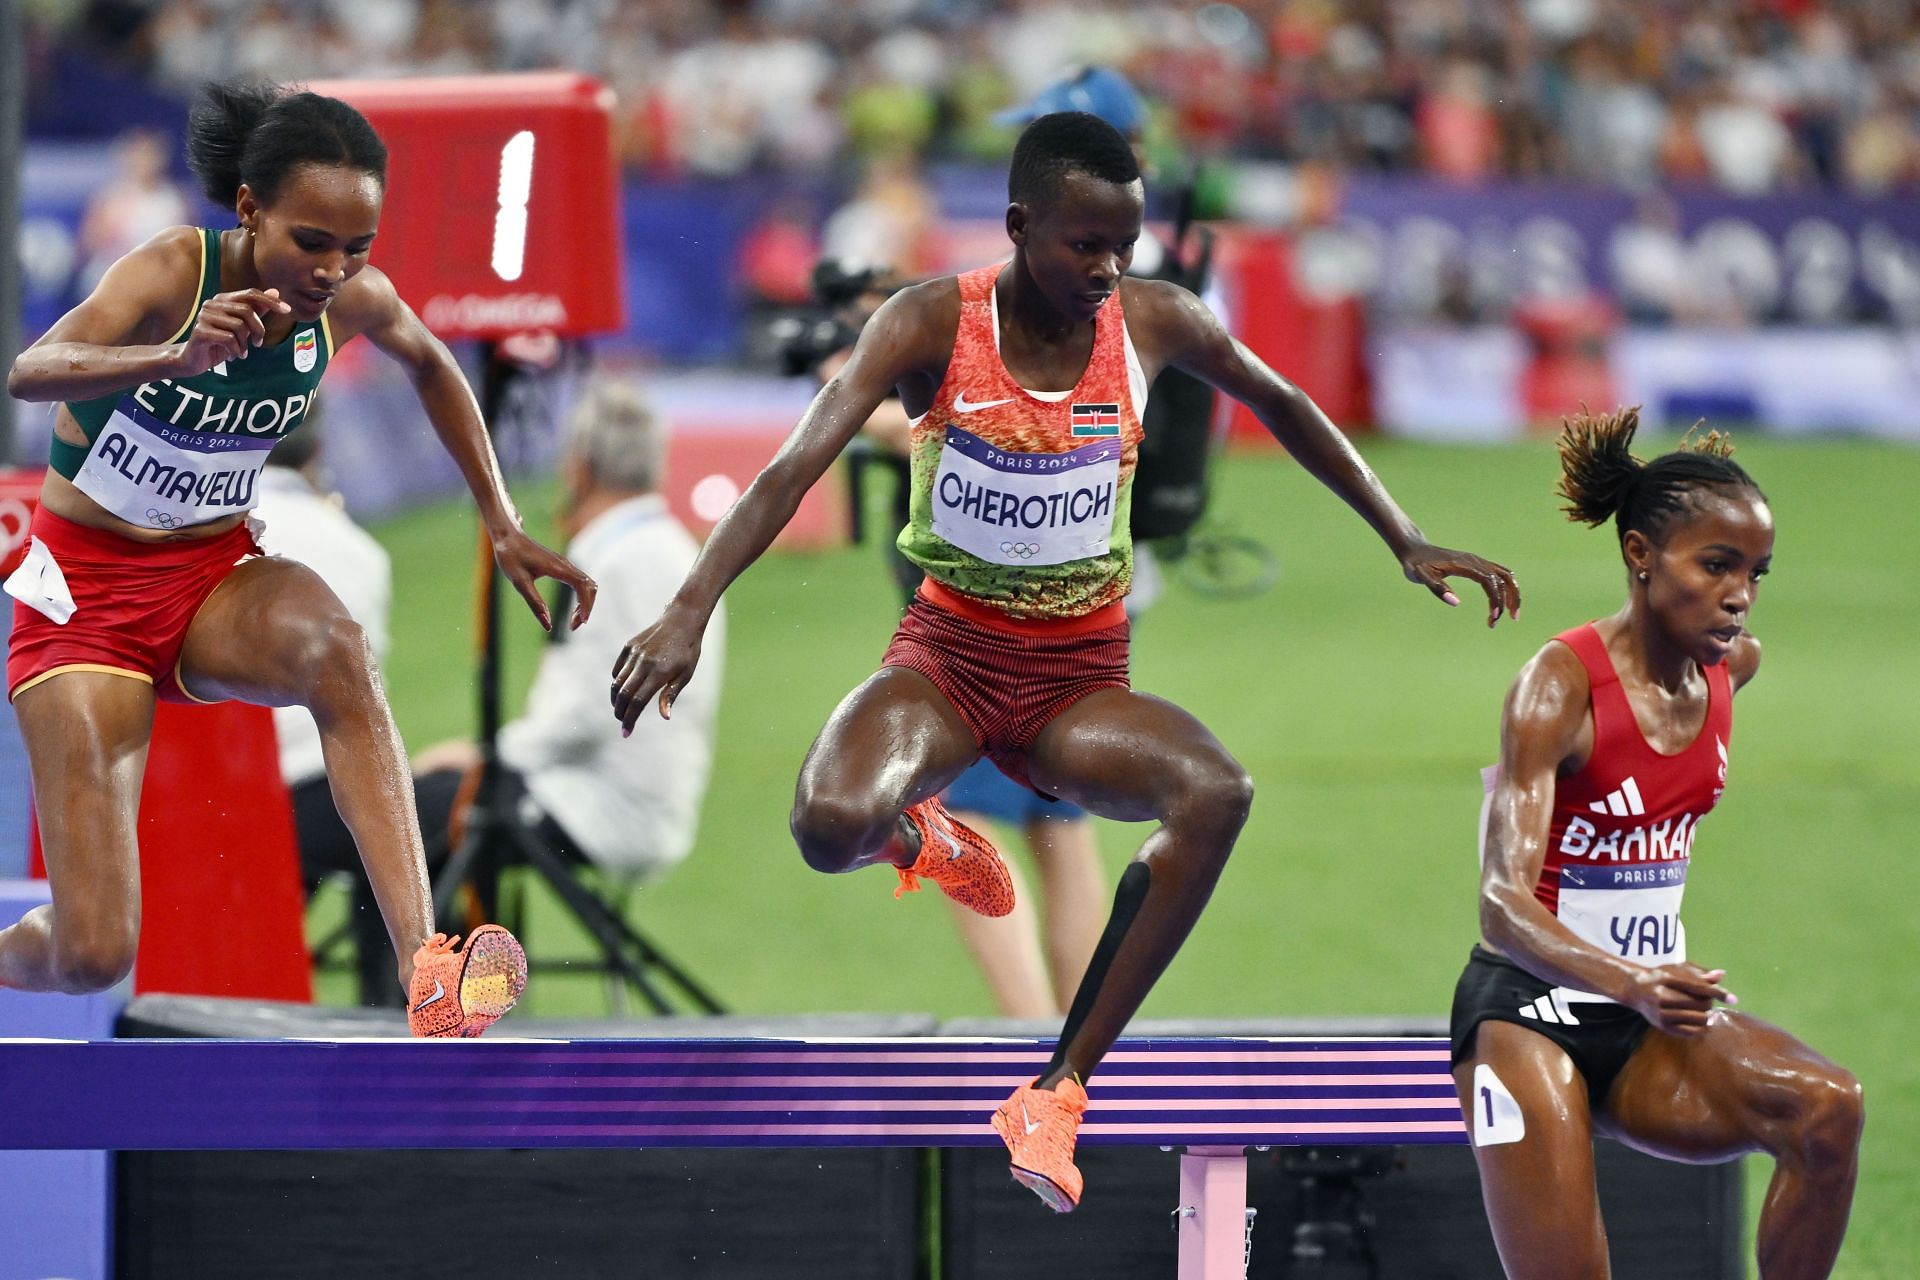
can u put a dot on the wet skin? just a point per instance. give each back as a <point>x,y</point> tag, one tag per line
<point>896,740</point>
<point>272,633</point>
<point>1705,1084</point>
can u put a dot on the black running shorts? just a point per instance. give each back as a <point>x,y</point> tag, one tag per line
<point>1600,1038</point>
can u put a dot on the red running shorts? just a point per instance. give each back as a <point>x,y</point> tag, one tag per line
<point>1008,677</point>
<point>132,602</point>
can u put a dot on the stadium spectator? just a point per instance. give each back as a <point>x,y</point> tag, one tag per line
<point>138,202</point>
<point>1606,90</point>
<point>890,222</point>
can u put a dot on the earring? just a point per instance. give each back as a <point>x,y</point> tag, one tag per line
<point>1643,575</point>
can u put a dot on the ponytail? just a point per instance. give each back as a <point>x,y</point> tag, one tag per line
<point>218,127</point>
<point>258,133</point>
<point>1601,479</point>
<point>1597,470</point>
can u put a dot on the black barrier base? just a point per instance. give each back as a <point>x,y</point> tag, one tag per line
<point>508,1215</point>
<point>843,1214</point>
<point>1422,1217</point>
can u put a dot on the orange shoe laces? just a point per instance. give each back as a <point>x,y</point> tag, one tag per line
<point>438,945</point>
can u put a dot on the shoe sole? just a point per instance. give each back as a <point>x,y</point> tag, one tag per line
<point>1050,1192</point>
<point>499,954</point>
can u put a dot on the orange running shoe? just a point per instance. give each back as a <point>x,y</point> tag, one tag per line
<point>463,992</point>
<point>1040,1127</point>
<point>957,858</point>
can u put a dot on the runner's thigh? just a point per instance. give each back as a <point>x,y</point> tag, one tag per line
<point>263,633</point>
<point>1714,1095</point>
<point>1131,756</point>
<point>1527,1115</point>
<point>895,741</point>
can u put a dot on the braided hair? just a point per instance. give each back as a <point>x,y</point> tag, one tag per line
<point>1601,479</point>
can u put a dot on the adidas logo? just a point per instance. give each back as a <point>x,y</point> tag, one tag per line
<point>1551,1007</point>
<point>1623,801</point>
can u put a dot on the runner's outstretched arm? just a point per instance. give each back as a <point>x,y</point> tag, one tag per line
<point>371,306</point>
<point>905,337</point>
<point>1192,338</point>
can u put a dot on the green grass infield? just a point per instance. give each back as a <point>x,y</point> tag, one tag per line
<point>1363,709</point>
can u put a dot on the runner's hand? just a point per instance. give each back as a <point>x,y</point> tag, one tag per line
<point>657,662</point>
<point>228,326</point>
<point>1430,566</point>
<point>525,562</point>
<point>1679,998</point>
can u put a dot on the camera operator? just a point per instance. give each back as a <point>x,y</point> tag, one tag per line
<point>817,343</point>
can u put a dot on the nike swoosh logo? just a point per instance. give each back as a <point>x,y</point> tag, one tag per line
<point>439,992</point>
<point>960,404</point>
<point>1031,1124</point>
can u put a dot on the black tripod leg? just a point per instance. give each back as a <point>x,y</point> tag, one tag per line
<point>592,915</point>
<point>625,949</point>
<point>465,861</point>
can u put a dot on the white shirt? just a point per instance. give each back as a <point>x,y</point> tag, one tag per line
<point>315,530</point>
<point>633,803</point>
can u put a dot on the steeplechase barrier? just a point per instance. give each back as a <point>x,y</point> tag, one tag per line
<point>1212,1099</point>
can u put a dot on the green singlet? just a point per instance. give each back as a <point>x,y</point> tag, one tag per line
<point>177,452</point>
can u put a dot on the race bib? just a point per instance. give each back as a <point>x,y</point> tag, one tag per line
<point>1026,508</point>
<point>157,476</point>
<point>1628,910</point>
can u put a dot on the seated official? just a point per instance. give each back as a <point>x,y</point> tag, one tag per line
<point>630,805</point>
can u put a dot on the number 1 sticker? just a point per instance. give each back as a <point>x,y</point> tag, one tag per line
<point>1496,1116</point>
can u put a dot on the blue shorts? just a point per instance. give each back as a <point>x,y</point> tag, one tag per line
<point>984,789</point>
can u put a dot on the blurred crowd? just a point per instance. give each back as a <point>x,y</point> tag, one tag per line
<point>1748,96</point>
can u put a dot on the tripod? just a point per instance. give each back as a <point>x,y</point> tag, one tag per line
<point>497,836</point>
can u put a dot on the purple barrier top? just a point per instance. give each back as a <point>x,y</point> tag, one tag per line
<point>255,1094</point>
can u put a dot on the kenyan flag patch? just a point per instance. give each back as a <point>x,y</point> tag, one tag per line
<point>1096,420</point>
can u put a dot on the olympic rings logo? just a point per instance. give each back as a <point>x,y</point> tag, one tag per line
<point>163,519</point>
<point>1025,550</point>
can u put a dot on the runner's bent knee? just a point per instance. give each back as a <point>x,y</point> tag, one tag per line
<point>93,957</point>
<point>1827,1124</point>
<point>1212,791</point>
<point>333,660</point>
<point>833,829</point>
